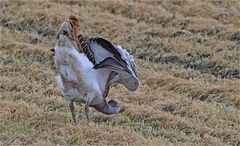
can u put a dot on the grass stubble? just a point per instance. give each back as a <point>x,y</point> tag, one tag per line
<point>188,57</point>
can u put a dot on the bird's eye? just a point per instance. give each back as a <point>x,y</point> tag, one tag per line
<point>65,32</point>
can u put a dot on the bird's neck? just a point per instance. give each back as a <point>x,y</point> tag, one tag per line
<point>106,108</point>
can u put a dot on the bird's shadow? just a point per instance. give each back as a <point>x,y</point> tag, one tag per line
<point>96,118</point>
<point>102,118</point>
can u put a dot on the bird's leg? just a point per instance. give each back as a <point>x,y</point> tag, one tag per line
<point>71,106</point>
<point>87,111</point>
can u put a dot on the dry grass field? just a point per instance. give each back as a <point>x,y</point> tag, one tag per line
<point>188,57</point>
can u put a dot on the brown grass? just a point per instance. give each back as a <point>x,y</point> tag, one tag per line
<point>188,59</point>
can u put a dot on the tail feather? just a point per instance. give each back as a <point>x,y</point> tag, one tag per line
<point>128,58</point>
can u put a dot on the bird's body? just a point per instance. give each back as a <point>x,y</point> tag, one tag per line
<point>76,74</point>
<point>87,68</point>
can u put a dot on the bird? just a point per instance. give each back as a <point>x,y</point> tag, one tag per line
<point>87,67</point>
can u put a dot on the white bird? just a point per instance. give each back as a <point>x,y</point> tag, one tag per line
<point>87,68</point>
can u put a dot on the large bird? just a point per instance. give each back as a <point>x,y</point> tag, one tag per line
<point>88,66</point>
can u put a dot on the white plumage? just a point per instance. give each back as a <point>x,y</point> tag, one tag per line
<point>86,78</point>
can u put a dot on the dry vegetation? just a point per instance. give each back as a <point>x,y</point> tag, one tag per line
<point>188,57</point>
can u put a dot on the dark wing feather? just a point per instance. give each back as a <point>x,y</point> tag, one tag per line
<point>107,63</point>
<point>103,49</point>
<point>111,63</point>
<point>108,46</point>
<point>84,42</point>
<point>126,78</point>
<point>104,55</point>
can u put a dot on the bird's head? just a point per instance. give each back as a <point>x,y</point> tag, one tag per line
<point>110,107</point>
<point>68,32</point>
<point>117,106</point>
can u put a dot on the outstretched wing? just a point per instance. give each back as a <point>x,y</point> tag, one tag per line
<point>116,59</point>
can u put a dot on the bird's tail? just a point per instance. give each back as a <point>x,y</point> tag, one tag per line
<point>128,58</point>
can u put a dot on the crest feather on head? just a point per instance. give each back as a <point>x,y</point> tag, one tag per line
<point>75,29</point>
